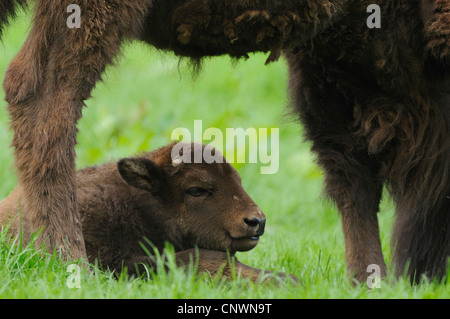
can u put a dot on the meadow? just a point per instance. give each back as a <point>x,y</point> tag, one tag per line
<point>142,100</point>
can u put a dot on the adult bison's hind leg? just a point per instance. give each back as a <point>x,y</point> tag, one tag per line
<point>422,242</point>
<point>45,87</point>
<point>421,237</point>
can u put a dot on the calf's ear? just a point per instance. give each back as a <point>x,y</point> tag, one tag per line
<point>142,173</point>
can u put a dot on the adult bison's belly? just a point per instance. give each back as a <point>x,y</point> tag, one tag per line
<point>193,29</point>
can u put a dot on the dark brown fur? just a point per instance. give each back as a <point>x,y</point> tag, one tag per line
<point>374,102</point>
<point>189,205</point>
<point>376,107</point>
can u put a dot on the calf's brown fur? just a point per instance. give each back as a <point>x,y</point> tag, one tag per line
<point>154,198</point>
<point>374,103</point>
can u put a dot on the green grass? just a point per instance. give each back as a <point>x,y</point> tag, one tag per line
<point>141,101</point>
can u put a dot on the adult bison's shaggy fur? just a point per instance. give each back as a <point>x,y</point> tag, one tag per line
<point>163,200</point>
<point>374,103</point>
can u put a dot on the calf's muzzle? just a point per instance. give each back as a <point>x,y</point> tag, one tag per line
<point>252,227</point>
<point>256,225</point>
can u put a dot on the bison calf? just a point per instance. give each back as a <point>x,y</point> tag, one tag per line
<point>163,199</point>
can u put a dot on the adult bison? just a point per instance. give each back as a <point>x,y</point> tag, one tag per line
<point>374,103</point>
<point>159,199</point>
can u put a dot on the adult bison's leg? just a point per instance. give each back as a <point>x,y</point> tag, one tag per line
<point>421,236</point>
<point>45,87</point>
<point>353,185</point>
<point>422,240</point>
<point>351,175</point>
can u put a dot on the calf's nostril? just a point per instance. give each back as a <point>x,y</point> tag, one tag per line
<point>257,223</point>
<point>252,222</point>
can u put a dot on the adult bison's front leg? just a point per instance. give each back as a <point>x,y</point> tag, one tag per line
<point>45,87</point>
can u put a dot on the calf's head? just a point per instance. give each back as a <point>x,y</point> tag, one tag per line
<point>203,202</point>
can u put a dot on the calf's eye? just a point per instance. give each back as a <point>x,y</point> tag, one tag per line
<point>196,191</point>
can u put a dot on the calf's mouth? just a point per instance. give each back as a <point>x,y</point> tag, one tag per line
<point>255,229</point>
<point>244,243</point>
